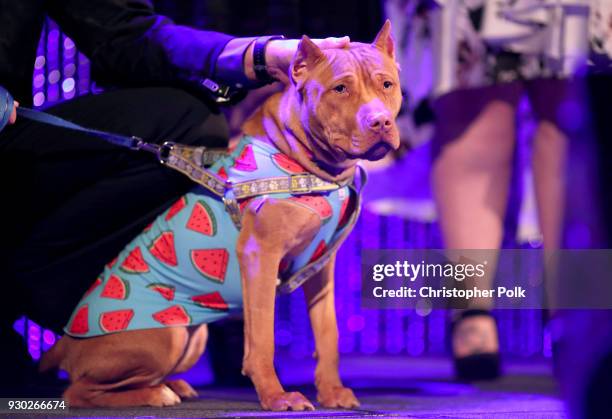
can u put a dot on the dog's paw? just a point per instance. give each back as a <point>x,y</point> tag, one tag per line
<point>182,388</point>
<point>337,396</point>
<point>161,395</point>
<point>286,401</point>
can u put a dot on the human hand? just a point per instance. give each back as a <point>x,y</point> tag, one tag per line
<point>280,52</point>
<point>13,116</point>
<point>7,103</point>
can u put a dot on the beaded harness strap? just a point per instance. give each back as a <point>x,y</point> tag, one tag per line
<point>191,162</point>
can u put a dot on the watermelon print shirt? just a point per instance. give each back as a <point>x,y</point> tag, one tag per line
<point>182,270</point>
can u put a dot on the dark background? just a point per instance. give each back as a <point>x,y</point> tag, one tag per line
<point>361,19</point>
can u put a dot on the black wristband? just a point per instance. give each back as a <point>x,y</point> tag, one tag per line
<point>259,58</point>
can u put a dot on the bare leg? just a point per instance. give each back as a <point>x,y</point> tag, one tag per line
<point>472,170</point>
<point>470,177</point>
<point>549,160</point>
<point>549,157</point>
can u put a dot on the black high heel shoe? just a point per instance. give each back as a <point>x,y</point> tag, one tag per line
<point>480,365</point>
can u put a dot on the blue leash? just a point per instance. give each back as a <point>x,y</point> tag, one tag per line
<point>133,143</point>
<point>6,108</point>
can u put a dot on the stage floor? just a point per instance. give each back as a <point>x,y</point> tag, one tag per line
<point>399,387</point>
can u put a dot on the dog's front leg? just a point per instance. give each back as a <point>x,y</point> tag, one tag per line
<point>319,292</point>
<point>277,228</point>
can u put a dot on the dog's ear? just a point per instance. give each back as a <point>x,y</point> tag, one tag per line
<point>384,40</point>
<point>307,55</point>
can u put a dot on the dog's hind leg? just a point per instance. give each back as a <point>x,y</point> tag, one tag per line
<point>195,347</point>
<point>198,336</point>
<point>118,370</point>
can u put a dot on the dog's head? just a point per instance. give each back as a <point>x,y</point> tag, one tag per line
<point>349,99</point>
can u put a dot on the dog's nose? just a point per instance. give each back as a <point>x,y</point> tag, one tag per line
<point>379,122</point>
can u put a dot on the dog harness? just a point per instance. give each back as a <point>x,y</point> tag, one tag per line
<point>182,270</point>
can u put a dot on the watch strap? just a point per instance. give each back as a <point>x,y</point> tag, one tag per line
<point>259,58</point>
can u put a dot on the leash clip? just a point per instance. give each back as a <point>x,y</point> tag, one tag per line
<point>163,151</point>
<point>232,207</point>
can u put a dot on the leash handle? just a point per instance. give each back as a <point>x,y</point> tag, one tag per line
<point>6,107</point>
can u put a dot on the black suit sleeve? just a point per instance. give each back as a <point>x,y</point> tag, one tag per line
<point>129,44</point>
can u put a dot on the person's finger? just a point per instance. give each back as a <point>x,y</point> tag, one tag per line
<point>333,42</point>
<point>13,116</point>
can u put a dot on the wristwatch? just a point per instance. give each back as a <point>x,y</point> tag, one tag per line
<point>259,58</point>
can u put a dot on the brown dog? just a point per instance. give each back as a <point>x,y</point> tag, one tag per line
<point>339,108</point>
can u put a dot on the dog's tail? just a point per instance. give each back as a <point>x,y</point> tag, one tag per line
<point>54,356</point>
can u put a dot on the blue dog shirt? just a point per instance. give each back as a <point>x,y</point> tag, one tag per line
<point>182,270</point>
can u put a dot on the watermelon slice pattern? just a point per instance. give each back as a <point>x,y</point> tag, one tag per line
<point>116,321</point>
<point>246,160</point>
<point>176,208</point>
<point>212,263</point>
<point>202,219</point>
<point>173,316</point>
<point>317,203</point>
<point>80,321</point>
<point>165,290</point>
<point>135,263</point>
<point>116,288</point>
<point>287,164</point>
<point>163,248</point>
<point>212,300</point>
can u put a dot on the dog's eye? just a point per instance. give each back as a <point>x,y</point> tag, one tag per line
<point>387,85</point>
<point>340,88</point>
